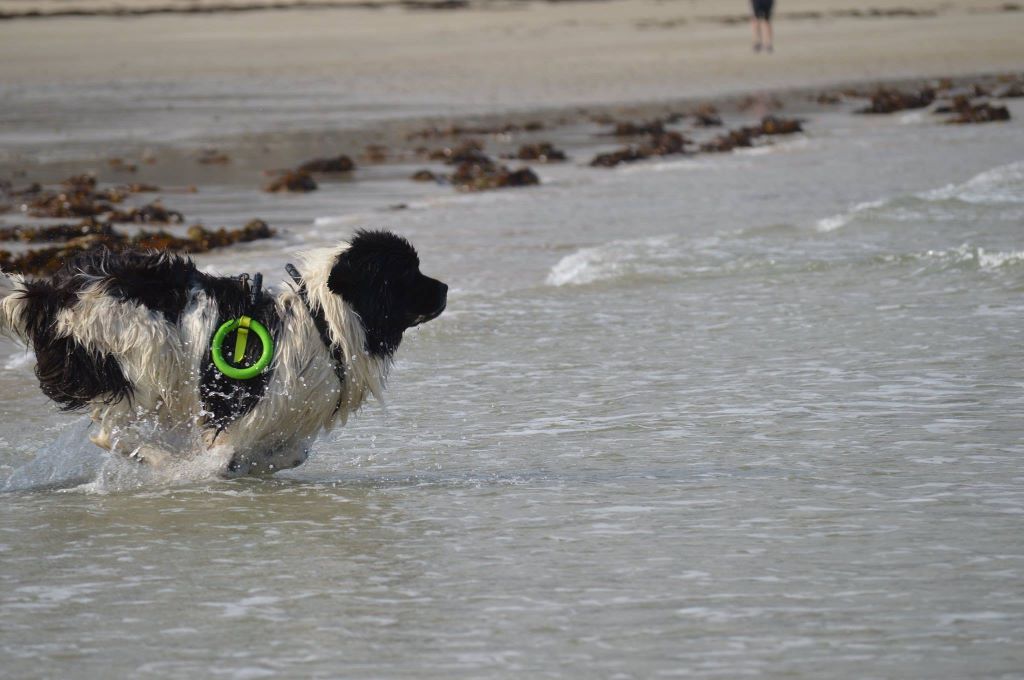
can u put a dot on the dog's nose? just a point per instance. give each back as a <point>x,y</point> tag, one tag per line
<point>442,298</point>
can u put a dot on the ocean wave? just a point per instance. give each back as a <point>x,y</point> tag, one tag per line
<point>607,261</point>
<point>999,186</point>
<point>1004,184</point>
<point>840,220</point>
<point>964,255</point>
<point>671,258</point>
<point>667,166</point>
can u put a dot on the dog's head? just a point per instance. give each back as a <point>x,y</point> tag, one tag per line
<point>378,275</point>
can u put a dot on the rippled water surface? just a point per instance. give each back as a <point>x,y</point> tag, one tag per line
<point>756,414</point>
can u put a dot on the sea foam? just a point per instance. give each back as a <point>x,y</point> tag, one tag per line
<point>998,186</point>
<point>607,261</point>
<point>1004,184</point>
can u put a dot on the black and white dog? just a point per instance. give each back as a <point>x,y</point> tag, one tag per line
<point>128,335</point>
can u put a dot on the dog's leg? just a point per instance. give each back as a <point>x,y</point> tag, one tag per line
<point>130,448</point>
<point>101,438</point>
<point>114,433</point>
<point>152,456</point>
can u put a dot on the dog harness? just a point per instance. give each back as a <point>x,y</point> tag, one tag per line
<point>241,327</point>
<point>245,324</point>
<point>321,327</point>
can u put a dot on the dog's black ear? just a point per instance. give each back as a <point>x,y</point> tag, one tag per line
<point>342,275</point>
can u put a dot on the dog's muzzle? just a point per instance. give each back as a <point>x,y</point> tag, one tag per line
<point>441,304</point>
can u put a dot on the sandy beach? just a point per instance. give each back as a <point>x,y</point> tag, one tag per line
<point>523,54</point>
<point>490,57</point>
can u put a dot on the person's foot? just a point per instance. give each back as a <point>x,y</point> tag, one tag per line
<point>769,48</point>
<point>757,47</point>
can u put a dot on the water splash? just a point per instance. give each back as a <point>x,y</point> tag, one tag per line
<point>71,461</point>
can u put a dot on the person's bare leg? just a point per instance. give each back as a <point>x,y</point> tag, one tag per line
<point>766,31</point>
<point>756,28</point>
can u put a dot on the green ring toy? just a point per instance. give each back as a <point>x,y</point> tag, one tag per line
<point>242,325</point>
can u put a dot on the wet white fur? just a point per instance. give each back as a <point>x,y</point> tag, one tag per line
<point>163,362</point>
<point>12,323</point>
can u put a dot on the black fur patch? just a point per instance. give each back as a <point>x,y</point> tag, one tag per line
<point>157,281</point>
<point>67,372</point>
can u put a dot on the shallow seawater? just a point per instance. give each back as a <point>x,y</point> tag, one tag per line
<point>757,414</point>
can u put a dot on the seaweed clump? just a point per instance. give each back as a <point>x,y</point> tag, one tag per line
<point>744,137</point>
<point>90,235</point>
<point>79,196</point>
<point>152,213</point>
<point>542,152</point>
<point>293,181</point>
<point>213,157</point>
<point>300,179</point>
<point>454,130</point>
<point>661,144</point>
<point>977,113</point>
<point>336,164</point>
<point>887,100</point>
<point>474,169</point>
<point>706,115</point>
<point>632,129</point>
<point>375,153</point>
<point>57,233</point>
<point>471,176</point>
<point>426,176</point>
<point>469,151</point>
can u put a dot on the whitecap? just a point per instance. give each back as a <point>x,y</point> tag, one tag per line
<point>842,219</point>
<point>668,166</point>
<point>1000,259</point>
<point>967,254</point>
<point>605,261</point>
<point>1004,184</point>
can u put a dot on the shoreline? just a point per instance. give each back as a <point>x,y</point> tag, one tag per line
<point>138,9</point>
<point>82,204</point>
<point>254,153</point>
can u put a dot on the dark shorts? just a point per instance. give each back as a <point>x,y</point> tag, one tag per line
<point>762,8</point>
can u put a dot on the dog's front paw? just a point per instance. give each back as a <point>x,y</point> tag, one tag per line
<point>101,438</point>
<point>149,455</point>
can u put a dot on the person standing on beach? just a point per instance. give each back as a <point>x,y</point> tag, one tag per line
<point>761,23</point>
